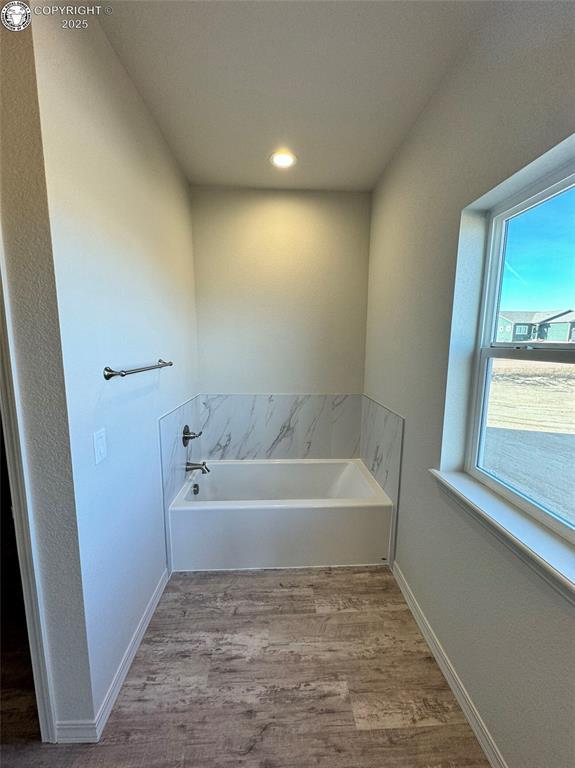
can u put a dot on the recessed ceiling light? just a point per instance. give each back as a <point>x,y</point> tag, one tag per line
<point>283,158</point>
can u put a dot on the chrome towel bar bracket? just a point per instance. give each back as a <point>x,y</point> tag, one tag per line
<point>109,373</point>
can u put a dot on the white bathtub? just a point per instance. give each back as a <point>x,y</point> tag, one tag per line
<point>271,514</point>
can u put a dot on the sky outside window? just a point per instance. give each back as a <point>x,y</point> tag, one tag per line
<point>539,265</point>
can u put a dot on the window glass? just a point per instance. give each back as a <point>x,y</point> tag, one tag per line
<point>537,292</point>
<point>528,438</point>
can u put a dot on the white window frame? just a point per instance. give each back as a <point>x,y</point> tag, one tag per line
<point>487,349</point>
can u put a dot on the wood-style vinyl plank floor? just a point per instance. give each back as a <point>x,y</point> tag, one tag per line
<point>277,669</point>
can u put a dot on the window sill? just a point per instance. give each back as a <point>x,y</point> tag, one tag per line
<point>552,556</point>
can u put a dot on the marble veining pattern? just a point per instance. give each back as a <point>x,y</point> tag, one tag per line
<point>279,426</point>
<point>271,426</point>
<point>172,450</point>
<point>277,669</point>
<point>381,445</point>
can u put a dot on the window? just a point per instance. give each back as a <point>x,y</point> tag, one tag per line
<point>523,439</point>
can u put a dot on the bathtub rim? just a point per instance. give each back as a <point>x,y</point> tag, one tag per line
<point>378,499</point>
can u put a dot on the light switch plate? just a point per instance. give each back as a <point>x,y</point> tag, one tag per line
<point>100,446</point>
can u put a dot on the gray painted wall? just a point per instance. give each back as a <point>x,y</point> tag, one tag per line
<point>123,262</point>
<point>509,635</point>
<point>29,290</point>
<point>282,290</point>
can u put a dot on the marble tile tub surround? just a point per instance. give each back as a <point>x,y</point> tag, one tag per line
<point>381,445</point>
<point>271,426</point>
<point>172,450</point>
<point>267,426</point>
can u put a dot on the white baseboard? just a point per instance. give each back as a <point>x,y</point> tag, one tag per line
<point>383,564</point>
<point>74,731</point>
<point>479,728</point>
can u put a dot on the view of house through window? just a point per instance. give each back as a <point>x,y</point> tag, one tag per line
<point>537,297</point>
<point>525,437</point>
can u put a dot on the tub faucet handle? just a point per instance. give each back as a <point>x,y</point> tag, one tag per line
<point>187,435</point>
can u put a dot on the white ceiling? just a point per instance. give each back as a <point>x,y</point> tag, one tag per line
<point>339,83</point>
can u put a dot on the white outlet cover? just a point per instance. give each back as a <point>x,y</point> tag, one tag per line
<point>100,446</point>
